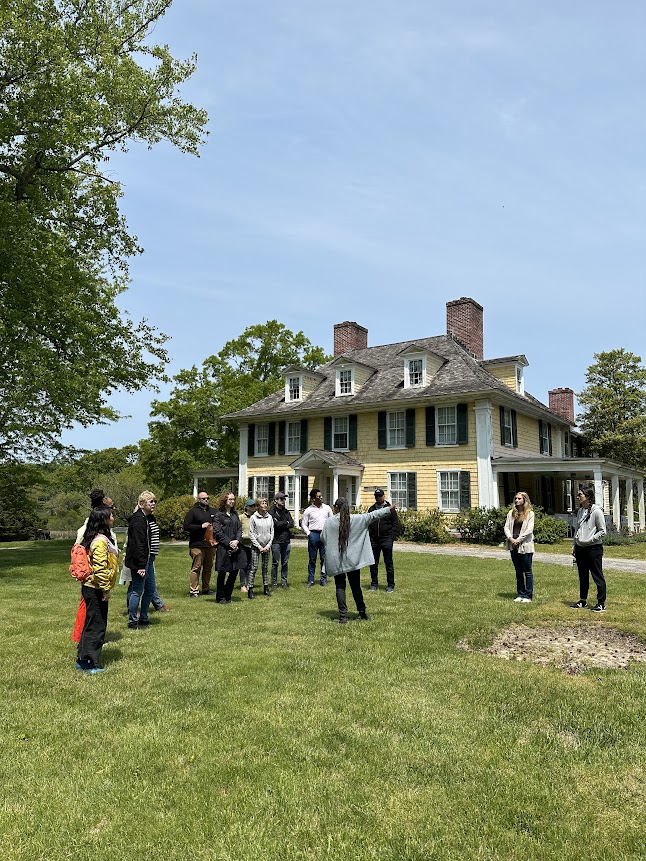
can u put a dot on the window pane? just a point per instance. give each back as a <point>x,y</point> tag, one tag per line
<point>262,439</point>
<point>261,486</point>
<point>415,368</point>
<point>345,382</point>
<point>340,432</point>
<point>396,429</point>
<point>506,427</point>
<point>293,445</point>
<point>290,490</point>
<point>399,488</point>
<point>450,491</point>
<point>294,388</point>
<point>447,429</point>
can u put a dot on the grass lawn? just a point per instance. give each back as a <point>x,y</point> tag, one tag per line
<point>619,551</point>
<point>260,730</point>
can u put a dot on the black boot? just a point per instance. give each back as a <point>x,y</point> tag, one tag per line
<point>265,591</point>
<point>250,594</point>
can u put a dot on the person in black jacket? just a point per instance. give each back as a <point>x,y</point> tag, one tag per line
<point>202,554</point>
<point>228,533</point>
<point>137,556</point>
<point>383,533</point>
<point>281,547</point>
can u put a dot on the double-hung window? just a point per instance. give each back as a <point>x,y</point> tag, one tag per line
<point>415,373</point>
<point>261,487</point>
<point>290,491</point>
<point>402,489</point>
<point>262,439</point>
<point>397,430</point>
<point>507,427</point>
<point>294,388</point>
<point>340,438</point>
<point>345,381</point>
<point>292,437</point>
<point>447,426</point>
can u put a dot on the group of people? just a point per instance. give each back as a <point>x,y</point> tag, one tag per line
<point>587,548</point>
<point>239,545</point>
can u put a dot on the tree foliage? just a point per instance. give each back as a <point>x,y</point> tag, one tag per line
<point>613,419</point>
<point>78,81</point>
<point>187,431</point>
<point>20,516</point>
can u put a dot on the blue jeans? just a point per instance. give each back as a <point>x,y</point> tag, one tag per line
<point>141,589</point>
<point>524,576</point>
<point>280,553</point>
<point>314,547</point>
<point>156,601</point>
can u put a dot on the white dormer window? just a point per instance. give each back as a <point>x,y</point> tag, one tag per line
<point>414,372</point>
<point>520,381</point>
<point>293,388</point>
<point>345,381</point>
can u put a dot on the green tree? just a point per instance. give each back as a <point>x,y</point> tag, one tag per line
<point>187,433</point>
<point>613,419</point>
<point>20,514</point>
<point>78,81</point>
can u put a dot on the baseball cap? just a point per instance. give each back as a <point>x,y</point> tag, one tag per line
<point>379,492</point>
<point>280,495</point>
<point>249,503</point>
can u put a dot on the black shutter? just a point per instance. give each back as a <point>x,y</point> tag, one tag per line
<point>411,496</point>
<point>430,425</point>
<point>549,439</point>
<point>250,488</point>
<point>502,425</point>
<point>281,483</point>
<point>463,424</point>
<point>327,433</point>
<point>505,487</point>
<point>281,437</point>
<point>540,436</point>
<point>352,432</point>
<point>251,441</point>
<point>271,488</point>
<point>465,490</point>
<point>303,436</point>
<point>410,428</point>
<point>304,491</point>
<point>514,429</point>
<point>271,442</point>
<point>382,433</point>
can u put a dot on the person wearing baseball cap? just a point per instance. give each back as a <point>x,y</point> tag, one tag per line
<point>382,535</point>
<point>245,520</point>
<point>280,549</point>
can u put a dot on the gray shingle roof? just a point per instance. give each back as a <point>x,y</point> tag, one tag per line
<point>461,373</point>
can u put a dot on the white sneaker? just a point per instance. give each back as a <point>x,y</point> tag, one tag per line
<point>243,589</point>
<point>518,600</point>
<point>526,600</point>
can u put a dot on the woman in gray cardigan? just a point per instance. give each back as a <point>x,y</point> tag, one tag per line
<point>588,550</point>
<point>347,549</point>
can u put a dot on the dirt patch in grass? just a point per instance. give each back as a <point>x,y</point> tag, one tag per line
<point>574,649</point>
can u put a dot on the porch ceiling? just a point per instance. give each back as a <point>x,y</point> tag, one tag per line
<point>565,466</point>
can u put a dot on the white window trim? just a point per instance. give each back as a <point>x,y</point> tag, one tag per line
<point>347,432</point>
<point>289,497</point>
<point>339,393</point>
<point>256,493</point>
<point>405,472</point>
<point>441,472</point>
<point>520,380</point>
<point>506,413</point>
<point>390,447</point>
<point>545,440</point>
<point>288,398</point>
<point>439,444</point>
<point>288,450</point>
<point>407,382</point>
<point>255,446</point>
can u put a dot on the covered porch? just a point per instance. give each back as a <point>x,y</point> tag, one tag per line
<point>213,479</point>
<point>553,483</point>
<point>333,472</point>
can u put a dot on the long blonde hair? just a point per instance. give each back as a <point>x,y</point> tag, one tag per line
<point>527,507</point>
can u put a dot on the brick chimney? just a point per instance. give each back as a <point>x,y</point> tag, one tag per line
<point>464,321</point>
<point>562,403</point>
<point>349,336</point>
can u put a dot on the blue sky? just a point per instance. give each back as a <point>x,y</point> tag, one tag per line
<point>371,161</point>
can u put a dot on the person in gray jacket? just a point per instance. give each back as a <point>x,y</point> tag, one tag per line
<point>588,550</point>
<point>347,549</point>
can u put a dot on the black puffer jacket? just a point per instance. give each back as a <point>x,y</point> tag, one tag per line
<point>193,524</point>
<point>283,522</point>
<point>386,528</point>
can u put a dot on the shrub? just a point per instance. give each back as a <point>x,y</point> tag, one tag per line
<point>170,514</point>
<point>549,530</point>
<point>482,525</point>
<point>428,526</point>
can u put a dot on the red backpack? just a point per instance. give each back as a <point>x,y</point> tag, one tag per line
<point>80,564</point>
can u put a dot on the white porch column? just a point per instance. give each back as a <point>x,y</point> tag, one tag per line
<point>640,501</point>
<point>242,461</point>
<point>598,487</point>
<point>297,500</point>
<point>487,491</point>
<point>630,504</point>
<point>335,485</point>
<point>496,492</point>
<point>616,507</point>
<point>195,486</point>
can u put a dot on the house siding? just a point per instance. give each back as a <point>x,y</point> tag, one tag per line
<point>505,373</point>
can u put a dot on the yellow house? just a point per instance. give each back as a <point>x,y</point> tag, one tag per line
<point>430,421</point>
